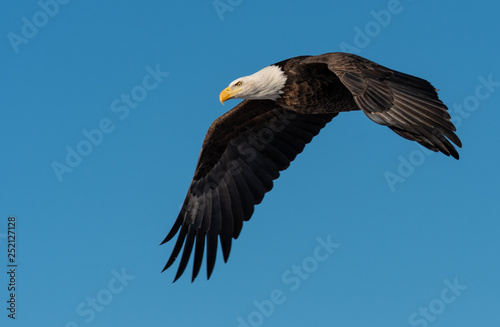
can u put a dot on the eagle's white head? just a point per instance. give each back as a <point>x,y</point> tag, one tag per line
<point>266,84</point>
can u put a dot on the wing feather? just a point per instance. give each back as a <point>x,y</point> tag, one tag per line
<point>407,104</point>
<point>243,152</point>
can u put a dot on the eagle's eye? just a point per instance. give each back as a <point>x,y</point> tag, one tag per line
<point>238,84</point>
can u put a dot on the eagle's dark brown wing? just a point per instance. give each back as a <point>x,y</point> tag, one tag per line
<point>408,105</point>
<point>243,152</point>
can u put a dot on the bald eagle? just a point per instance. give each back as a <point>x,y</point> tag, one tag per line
<point>286,105</point>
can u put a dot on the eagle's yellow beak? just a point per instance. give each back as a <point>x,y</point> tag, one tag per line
<point>227,94</point>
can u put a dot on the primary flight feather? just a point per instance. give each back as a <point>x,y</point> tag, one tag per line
<point>286,105</point>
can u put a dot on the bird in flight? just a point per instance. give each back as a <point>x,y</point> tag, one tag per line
<point>286,105</point>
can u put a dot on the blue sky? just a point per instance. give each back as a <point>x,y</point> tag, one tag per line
<point>365,228</point>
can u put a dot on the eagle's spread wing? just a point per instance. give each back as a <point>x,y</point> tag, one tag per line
<point>406,104</point>
<point>243,152</point>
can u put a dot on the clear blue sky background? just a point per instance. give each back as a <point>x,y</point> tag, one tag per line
<point>403,243</point>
